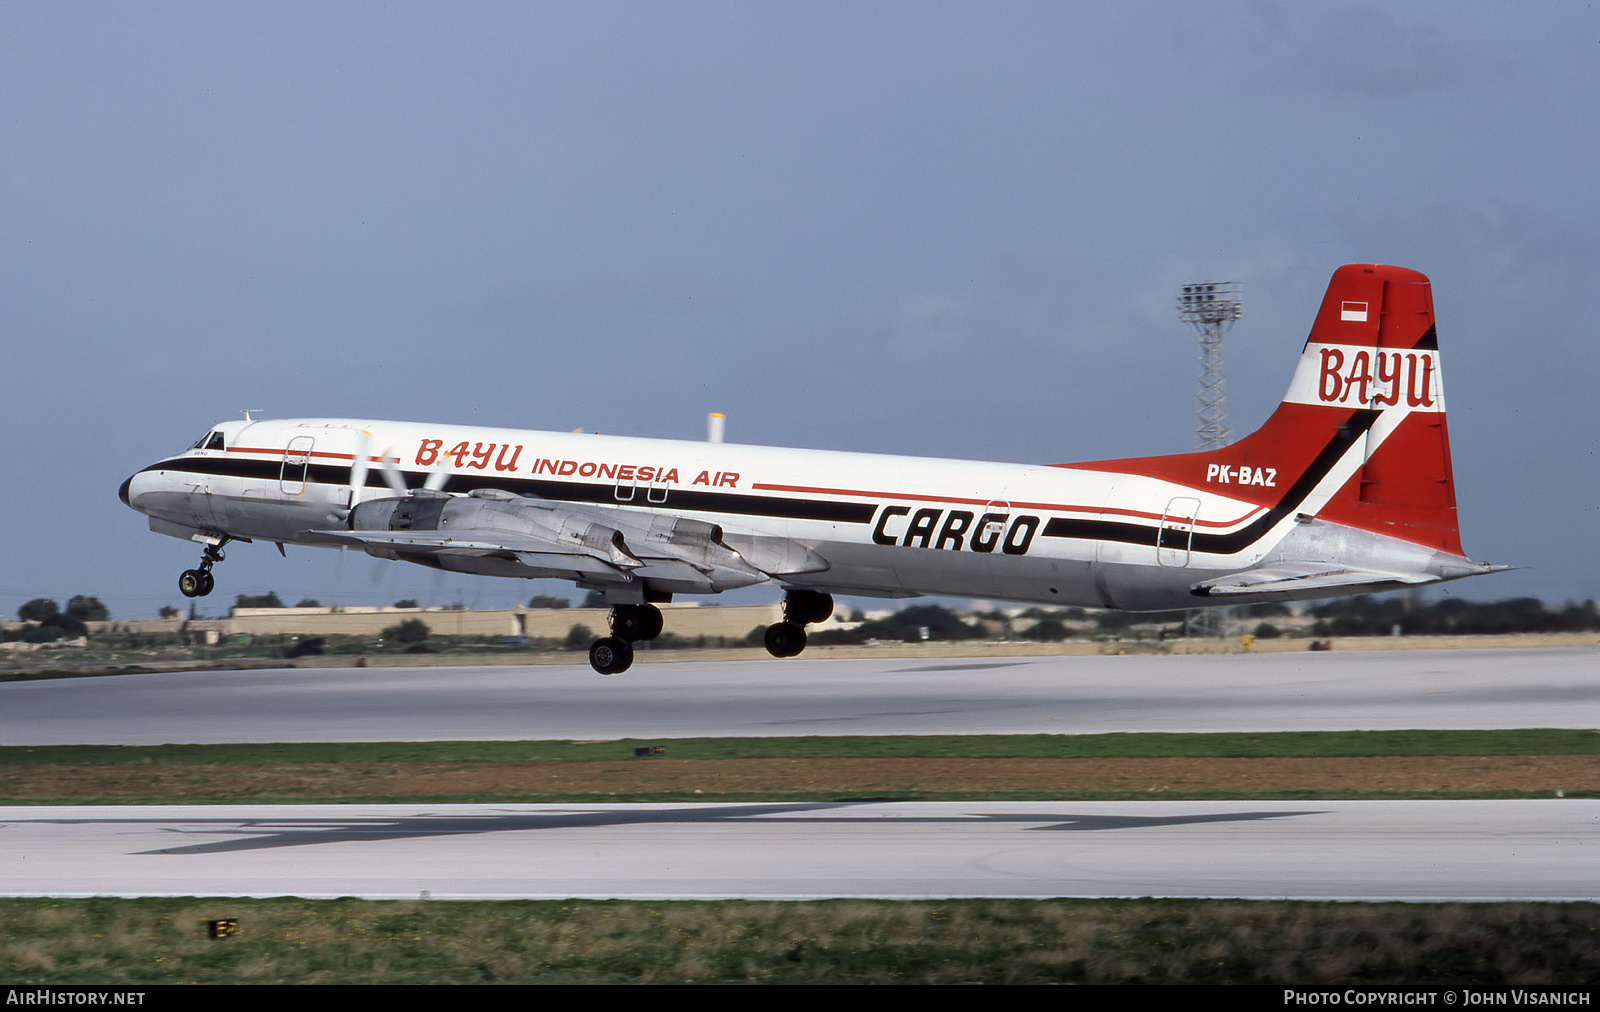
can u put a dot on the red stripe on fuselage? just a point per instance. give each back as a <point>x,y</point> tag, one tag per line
<point>326,454</point>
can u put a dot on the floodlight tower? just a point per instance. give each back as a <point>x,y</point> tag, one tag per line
<point>1210,307</point>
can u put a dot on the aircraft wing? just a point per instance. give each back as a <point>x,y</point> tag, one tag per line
<point>1298,576</point>
<point>531,552</point>
<point>588,542</point>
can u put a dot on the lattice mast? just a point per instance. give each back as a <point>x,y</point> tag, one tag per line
<point>1211,307</point>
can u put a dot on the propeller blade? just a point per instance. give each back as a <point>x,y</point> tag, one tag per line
<point>361,464</point>
<point>391,474</point>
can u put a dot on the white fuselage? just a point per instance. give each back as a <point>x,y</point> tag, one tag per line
<point>848,523</point>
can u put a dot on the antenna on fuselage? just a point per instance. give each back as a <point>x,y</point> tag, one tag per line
<point>246,413</point>
<point>715,423</point>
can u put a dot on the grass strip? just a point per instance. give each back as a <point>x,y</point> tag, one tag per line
<point>284,940</point>
<point>1065,796</point>
<point>1281,744</point>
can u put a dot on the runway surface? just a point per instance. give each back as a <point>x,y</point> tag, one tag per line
<point>1001,695</point>
<point>1352,850</point>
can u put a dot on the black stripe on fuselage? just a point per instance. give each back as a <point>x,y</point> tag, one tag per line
<point>795,509</point>
<point>557,491</point>
<point>1236,541</point>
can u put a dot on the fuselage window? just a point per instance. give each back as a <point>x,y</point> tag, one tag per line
<point>215,442</point>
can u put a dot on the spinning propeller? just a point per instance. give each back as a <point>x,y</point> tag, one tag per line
<point>393,477</point>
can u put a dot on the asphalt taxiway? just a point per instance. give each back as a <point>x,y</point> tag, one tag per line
<point>1445,689</point>
<point>1324,850</point>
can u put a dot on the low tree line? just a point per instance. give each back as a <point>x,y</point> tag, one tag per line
<point>1374,616</point>
<point>50,622</point>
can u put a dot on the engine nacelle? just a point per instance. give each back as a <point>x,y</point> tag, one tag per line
<point>420,512</point>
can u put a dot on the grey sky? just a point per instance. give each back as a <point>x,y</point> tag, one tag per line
<point>951,229</point>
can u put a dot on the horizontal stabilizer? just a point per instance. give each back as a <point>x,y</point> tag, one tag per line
<point>1292,576</point>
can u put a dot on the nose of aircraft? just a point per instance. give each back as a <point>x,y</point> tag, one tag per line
<point>122,493</point>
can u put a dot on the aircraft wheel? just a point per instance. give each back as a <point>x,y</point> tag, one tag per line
<point>191,582</point>
<point>806,607</point>
<point>785,639</point>
<point>611,656</point>
<point>653,622</point>
<point>208,583</point>
<point>635,622</point>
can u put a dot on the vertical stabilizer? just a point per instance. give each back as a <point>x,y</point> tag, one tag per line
<point>1360,437</point>
<point>1374,347</point>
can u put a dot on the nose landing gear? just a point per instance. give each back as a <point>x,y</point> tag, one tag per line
<point>199,582</point>
<point>630,623</point>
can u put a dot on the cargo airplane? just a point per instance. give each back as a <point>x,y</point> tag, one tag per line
<point>1346,489</point>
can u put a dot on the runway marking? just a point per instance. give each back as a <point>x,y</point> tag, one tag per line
<point>964,667</point>
<point>1419,851</point>
<point>265,834</point>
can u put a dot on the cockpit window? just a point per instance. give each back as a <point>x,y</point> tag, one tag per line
<point>209,441</point>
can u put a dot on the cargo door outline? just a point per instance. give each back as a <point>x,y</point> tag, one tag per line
<point>296,461</point>
<point>1175,536</point>
<point>989,530</point>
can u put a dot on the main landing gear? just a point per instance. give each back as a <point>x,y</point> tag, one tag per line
<point>800,609</point>
<point>630,623</point>
<point>199,582</point>
<point>633,623</point>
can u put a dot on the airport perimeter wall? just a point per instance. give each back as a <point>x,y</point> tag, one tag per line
<point>536,623</point>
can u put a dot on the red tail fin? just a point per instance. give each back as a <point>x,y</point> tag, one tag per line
<point>1390,363</point>
<point>1360,438</point>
